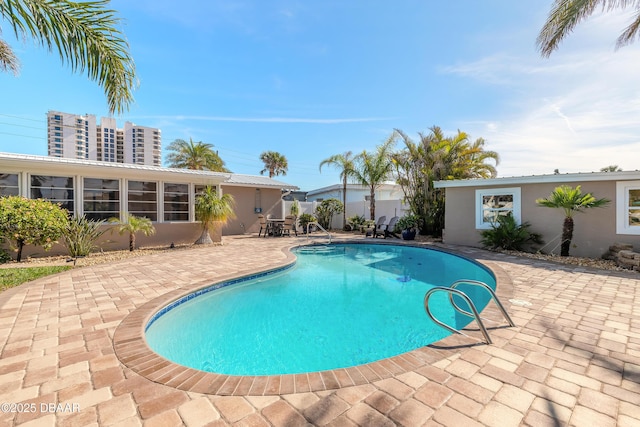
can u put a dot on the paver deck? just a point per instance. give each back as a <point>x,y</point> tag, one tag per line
<point>572,358</point>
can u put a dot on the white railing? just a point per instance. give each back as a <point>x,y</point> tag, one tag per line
<point>320,227</point>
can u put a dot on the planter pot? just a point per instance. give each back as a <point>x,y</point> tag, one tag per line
<point>408,234</point>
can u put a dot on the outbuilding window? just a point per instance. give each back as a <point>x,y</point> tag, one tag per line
<point>494,202</point>
<point>628,207</point>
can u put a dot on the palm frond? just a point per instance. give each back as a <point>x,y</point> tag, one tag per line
<point>85,35</point>
<point>8,59</point>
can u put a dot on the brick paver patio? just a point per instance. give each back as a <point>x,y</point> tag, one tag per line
<point>572,358</point>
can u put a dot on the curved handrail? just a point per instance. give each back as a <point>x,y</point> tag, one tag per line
<point>485,287</point>
<point>464,296</point>
<point>320,227</point>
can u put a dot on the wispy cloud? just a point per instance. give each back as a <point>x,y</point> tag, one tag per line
<point>577,111</point>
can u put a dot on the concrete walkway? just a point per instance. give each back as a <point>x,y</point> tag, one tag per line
<point>572,359</point>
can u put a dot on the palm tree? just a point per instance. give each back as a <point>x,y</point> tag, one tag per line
<point>566,14</point>
<point>436,157</point>
<point>274,163</point>
<point>194,155</point>
<point>86,36</point>
<point>345,163</point>
<point>134,224</point>
<point>570,200</point>
<point>611,168</point>
<point>211,208</point>
<point>372,169</point>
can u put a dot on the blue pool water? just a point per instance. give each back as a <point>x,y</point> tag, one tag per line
<point>337,307</point>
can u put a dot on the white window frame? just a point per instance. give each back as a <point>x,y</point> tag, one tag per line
<point>622,207</point>
<point>512,191</point>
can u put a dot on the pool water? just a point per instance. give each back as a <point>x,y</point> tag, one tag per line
<point>340,306</point>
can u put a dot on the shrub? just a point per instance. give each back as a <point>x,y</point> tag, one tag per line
<point>5,257</point>
<point>305,219</point>
<point>30,222</point>
<point>505,233</point>
<point>407,222</point>
<point>354,222</point>
<point>326,210</point>
<point>80,235</point>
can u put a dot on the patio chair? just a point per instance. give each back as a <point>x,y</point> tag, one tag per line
<point>376,227</point>
<point>289,225</point>
<point>387,229</point>
<point>264,225</point>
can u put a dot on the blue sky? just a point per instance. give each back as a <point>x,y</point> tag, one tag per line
<point>311,79</point>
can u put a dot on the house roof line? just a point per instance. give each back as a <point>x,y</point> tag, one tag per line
<point>224,178</point>
<point>540,179</point>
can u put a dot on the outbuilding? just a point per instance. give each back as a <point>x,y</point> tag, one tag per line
<point>471,205</point>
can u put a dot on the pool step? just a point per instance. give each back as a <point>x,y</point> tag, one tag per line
<point>317,249</point>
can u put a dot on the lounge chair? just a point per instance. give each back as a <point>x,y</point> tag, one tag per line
<point>387,229</point>
<point>374,231</point>
<point>264,225</point>
<point>289,225</point>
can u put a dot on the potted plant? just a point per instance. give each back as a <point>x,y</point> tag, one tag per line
<point>408,225</point>
<point>304,220</point>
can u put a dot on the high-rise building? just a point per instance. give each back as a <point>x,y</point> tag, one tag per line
<point>81,137</point>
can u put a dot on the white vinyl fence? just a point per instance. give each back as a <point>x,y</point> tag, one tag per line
<point>388,208</point>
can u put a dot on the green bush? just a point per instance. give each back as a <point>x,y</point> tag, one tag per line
<point>81,234</point>
<point>305,219</point>
<point>326,210</point>
<point>506,233</point>
<point>5,256</point>
<point>354,222</point>
<point>407,222</point>
<point>31,222</point>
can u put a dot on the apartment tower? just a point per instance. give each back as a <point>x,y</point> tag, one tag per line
<point>81,137</point>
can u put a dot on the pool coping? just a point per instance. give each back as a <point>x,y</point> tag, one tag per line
<point>132,350</point>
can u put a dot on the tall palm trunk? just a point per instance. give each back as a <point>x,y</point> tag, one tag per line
<point>567,235</point>
<point>344,202</point>
<point>372,204</point>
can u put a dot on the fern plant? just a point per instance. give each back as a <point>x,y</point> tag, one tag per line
<point>506,233</point>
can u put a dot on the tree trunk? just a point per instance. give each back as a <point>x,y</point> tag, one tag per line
<point>372,204</point>
<point>344,202</point>
<point>132,242</point>
<point>567,235</point>
<point>20,246</point>
<point>205,238</point>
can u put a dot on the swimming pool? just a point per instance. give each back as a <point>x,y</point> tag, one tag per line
<point>336,307</point>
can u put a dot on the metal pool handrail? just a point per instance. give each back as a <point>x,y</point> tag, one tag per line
<point>464,296</point>
<point>320,227</point>
<point>485,287</point>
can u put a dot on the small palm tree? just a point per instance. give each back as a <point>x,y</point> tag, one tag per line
<point>211,208</point>
<point>345,163</point>
<point>372,169</point>
<point>86,36</point>
<point>195,156</point>
<point>570,200</point>
<point>134,224</point>
<point>274,163</point>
